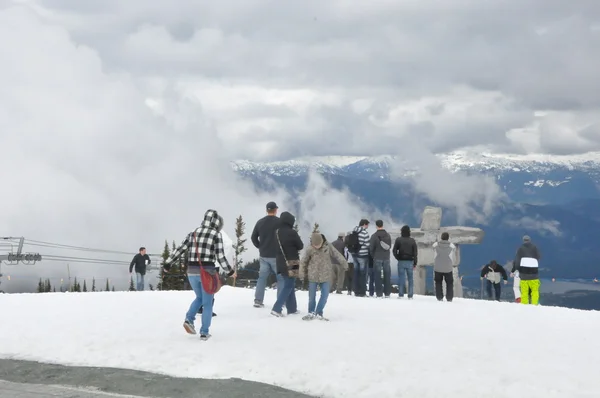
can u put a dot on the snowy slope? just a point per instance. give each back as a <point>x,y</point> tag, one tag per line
<point>371,348</point>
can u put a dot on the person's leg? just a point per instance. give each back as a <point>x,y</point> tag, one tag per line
<point>356,277</point>
<point>449,278</point>
<point>323,298</point>
<point>207,304</point>
<point>190,316</point>
<point>283,294</point>
<point>488,289</point>
<point>362,277</point>
<point>377,279</point>
<point>350,274</point>
<point>371,276</point>
<point>524,292</point>
<point>312,297</point>
<point>497,290</point>
<point>411,283</point>
<point>261,284</point>
<point>340,279</point>
<point>139,279</point>
<point>401,279</point>
<point>273,265</point>
<point>534,286</point>
<point>438,277</point>
<point>387,278</point>
<point>291,304</point>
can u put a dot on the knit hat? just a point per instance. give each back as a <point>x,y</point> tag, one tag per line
<point>316,239</point>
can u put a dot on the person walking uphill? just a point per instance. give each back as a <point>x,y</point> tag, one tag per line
<point>263,238</point>
<point>406,252</point>
<point>527,263</point>
<point>379,249</point>
<point>357,243</point>
<point>204,248</point>
<point>494,273</point>
<point>444,259</point>
<point>288,265</point>
<point>316,266</point>
<point>140,261</point>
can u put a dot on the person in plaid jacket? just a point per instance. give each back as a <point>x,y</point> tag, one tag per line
<point>204,248</point>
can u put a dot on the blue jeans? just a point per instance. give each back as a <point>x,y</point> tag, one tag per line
<point>405,269</point>
<point>371,277</point>
<point>286,295</point>
<point>139,281</point>
<point>382,287</point>
<point>267,265</point>
<point>312,297</point>
<point>202,299</point>
<point>359,280</point>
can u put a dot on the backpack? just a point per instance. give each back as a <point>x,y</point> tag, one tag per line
<point>353,242</point>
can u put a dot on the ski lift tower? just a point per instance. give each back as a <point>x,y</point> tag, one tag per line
<point>19,256</point>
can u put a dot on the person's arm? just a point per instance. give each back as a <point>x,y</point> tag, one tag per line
<point>434,247</point>
<point>503,272</point>
<point>415,253</point>
<point>338,256</point>
<point>304,263</point>
<point>220,254</point>
<point>133,263</point>
<point>148,258</point>
<point>298,241</point>
<point>395,249</point>
<point>517,262</point>
<point>484,271</point>
<point>185,245</point>
<point>538,255</point>
<point>453,254</point>
<point>372,245</point>
<point>254,236</point>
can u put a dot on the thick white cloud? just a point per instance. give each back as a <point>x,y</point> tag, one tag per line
<point>118,118</point>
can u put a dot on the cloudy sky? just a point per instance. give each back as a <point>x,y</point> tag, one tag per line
<point>118,118</point>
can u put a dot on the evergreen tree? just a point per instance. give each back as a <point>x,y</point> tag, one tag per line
<point>316,228</point>
<point>40,288</point>
<point>77,286</point>
<point>113,288</point>
<point>131,286</point>
<point>165,255</point>
<point>54,289</point>
<point>74,287</point>
<point>239,245</point>
<point>84,286</point>
<point>47,286</point>
<point>150,286</point>
<point>93,284</point>
<point>107,286</point>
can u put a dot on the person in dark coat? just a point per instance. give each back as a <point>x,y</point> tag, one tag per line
<point>494,273</point>
<point>140,261</point>
<point>288,264</point>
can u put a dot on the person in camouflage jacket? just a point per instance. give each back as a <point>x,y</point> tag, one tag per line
<point>317,267</point>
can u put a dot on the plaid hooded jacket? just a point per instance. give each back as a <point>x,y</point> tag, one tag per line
<point>208,241</point>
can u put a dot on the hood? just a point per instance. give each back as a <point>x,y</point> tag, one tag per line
<point>405,231</point>
<point>288,218</point>
<point>443,243</point>
<point>212,220</point>
<point>528,244</point>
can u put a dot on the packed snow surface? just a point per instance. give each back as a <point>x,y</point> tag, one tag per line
<point>370,348</point>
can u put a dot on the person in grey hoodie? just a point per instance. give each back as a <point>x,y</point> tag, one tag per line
<point>444,259</point>
<point>379,249</point>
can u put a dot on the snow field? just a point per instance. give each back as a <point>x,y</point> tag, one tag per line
<point>371,347</point>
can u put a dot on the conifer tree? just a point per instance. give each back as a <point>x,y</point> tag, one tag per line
<point>84,286</point>
<point>54,289</point>
<point>74,287</point>
<point>239,245</point>
<point>107,286</point>
<point>93,284</point>
<point>316,228</point>
<point>151,286</point>
<point>47,286</point>
<point>40,288</point>
<point>131,286</point>
<point>165,255</point>
<point>113,288</point>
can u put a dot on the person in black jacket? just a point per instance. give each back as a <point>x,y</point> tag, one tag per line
<point>288,264</point>
<point>379,249</point>
<point>263,238</point>
<point>406,252</point>
<point>140,262</point>
<point>494,273</point>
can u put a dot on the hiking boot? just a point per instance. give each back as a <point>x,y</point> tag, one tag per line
<point>322,318</point>
<point>205,337</point>
<point>189,327</point>
<point>518,300</point>
<point>277,314</point>
<point>258,304</point>
<point>309,317</point>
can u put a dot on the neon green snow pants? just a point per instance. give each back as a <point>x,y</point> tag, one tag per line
<point>534,287</point>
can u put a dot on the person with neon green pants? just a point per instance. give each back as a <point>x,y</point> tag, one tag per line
<point>527,263</point>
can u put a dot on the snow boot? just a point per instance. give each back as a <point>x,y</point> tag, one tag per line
<point>258,304</point>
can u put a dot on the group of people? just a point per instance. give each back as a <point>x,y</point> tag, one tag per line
<point>327,266</point>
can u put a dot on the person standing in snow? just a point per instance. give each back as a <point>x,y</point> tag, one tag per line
<point>527,264</point>
<point>494,273</point>
<point>406,252</point>
<point>205,249</point>
<point>444,259</point>
<point>516,282</point>
<point>350,270</point>
<point>288,265</point>
<point>263,238</point>
<point>140,261</point>
<point>357,243</point>
<point>379,249</point>
<point>339,269</point>
<point>316,266</point>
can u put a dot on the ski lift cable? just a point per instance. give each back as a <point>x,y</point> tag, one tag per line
<point>32,242</point>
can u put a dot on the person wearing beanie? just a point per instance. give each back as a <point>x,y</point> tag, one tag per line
<point>527,265</point>
<point>443,263</point>
<point>317,268</point>
<point>406,252</point>
<point>339,269</point>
